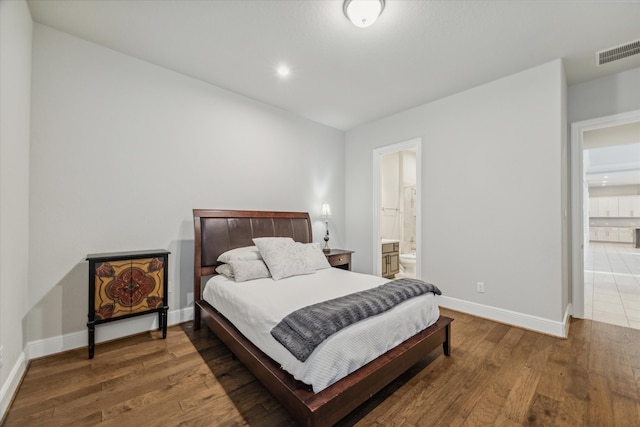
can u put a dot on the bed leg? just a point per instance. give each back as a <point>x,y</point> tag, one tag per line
<point>196,317</point>
<point>446,345</point>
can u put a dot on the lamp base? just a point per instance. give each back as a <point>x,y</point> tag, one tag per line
<point>326,244</point>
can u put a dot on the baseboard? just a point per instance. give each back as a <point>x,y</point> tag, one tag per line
<point>526,321</point>
<point>104,332</point>
<point>10,386</point>
<point>566,321</point>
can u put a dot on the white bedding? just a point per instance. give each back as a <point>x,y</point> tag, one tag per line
<point>256,306</point>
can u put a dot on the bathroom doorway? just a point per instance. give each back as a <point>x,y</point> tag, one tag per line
<point>397,203</point>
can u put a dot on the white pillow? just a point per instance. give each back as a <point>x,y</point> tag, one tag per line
<point>247,253</point>
<point>225,270</point>
<point>314,255</point>
<point>249,270</point>
<point>283,257</point>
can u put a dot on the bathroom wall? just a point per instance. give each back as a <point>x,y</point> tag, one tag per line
<point>398,198</point>
<point>408,234</point>
<point>390,201</point>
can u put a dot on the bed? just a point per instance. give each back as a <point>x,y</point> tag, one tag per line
<point>216,232</point>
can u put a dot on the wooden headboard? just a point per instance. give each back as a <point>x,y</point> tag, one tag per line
<point>217,231</point>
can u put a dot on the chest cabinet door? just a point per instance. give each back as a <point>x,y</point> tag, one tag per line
<point>124,287</point>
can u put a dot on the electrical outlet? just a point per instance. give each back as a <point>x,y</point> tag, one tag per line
<point>480,287</point>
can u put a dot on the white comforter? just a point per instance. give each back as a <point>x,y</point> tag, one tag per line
<point>256,306</point>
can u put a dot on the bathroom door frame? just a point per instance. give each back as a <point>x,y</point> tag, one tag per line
<point>416,144</point>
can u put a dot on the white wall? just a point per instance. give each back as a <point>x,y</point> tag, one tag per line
<point>489,214</point>
<point>617,93</point>
<point>15,89</point>
<point>615,190</point>
<point>612,136</point>
<point>565,184</point>
<point>123,150</point>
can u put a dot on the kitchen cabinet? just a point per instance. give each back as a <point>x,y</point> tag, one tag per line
<point>593,207</point>
<point>625,235</point>
<point>629,206</point>
<point>612,234</point>
<point>607,206</point>
<point>618,207</point>
<point>607,234</point>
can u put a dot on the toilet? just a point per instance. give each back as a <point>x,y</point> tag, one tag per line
<point>408,264</point>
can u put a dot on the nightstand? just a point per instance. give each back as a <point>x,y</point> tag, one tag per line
<point>339,258</point>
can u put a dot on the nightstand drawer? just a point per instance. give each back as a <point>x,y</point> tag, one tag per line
<point>339,259</point>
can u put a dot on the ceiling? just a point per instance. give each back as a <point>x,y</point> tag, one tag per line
<point>613,179</point>
<point>612,155</point>
<point>613,165</point>
<point>343,76</point>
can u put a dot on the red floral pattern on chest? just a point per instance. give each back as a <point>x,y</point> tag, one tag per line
<point>130,287</point>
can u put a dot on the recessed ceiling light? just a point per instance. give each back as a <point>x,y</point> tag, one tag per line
<point>605,177</point>
<point>283,71</point>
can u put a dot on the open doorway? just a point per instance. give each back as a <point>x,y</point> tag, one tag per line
<point>396,219</point>
<point>612,261</point>
<point>605,262</point>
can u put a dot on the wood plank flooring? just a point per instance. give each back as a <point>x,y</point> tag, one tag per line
<point>497,375</point>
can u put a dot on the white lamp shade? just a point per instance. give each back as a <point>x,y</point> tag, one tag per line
<point>363,13</point>
<point>326,210</point>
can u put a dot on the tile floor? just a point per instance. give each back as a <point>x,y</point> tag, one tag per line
<point>612,284</point>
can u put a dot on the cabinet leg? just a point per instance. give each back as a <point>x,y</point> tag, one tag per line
<point>92,328</point>
<point>164,321</point>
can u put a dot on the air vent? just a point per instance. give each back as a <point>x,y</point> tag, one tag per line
<point>618,52</point>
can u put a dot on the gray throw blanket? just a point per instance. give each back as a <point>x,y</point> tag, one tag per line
<point>304,329</point>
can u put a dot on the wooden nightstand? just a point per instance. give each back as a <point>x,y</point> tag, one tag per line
<point>339,258</point>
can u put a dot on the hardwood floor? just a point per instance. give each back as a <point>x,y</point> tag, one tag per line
<point>496,375</point>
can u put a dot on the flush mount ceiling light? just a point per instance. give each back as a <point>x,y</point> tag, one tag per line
<point>283,71</point>
<point>363,13</point>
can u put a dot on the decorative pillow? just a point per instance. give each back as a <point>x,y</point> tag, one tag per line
<point>249,270</point>
<point>225,270</point>
<point>283,257</point>
<point>247,253</point>
<point>314,255</point>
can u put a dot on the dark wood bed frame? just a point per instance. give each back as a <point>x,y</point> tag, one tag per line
<point>217,231</point>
